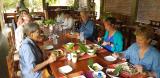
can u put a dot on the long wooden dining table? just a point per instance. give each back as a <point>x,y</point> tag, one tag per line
<point>81,66</point>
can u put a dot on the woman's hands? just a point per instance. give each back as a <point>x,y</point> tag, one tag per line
<point>139,68</point>
<point>99,39</point>
<point>106,43</point>
<point>51,58</point>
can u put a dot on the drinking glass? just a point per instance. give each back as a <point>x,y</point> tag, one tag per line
<point>81,36</point>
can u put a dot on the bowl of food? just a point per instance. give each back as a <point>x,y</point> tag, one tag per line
<point>95,67</point>
<point>110,73</point>
<point>59,53</point>
<point>69,46</point>
<point>122,70</point>
<point>94,46</point>
<point>91,52</point>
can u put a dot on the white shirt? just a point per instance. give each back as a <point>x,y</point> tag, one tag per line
<point>60,18</point>
<point>68,23</point>
<point>19,35</point>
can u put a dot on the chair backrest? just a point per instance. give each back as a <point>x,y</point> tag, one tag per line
<point>11,65</point>
<point>11,38</point>
<point>155,23</point>
<point>14,25</point>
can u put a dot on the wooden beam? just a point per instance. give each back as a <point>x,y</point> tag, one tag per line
<point>102,8</point>
<point>134,10</point>
<point>43,3</point>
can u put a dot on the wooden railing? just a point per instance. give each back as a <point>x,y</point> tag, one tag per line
<point>9,16</point>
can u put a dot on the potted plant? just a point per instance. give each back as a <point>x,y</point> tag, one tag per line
<point>49,22</point>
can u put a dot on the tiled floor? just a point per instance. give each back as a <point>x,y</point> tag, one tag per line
<point>3,54</point>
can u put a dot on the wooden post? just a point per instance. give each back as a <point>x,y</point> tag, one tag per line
<point>43,3</point>
<point>1,16</point>
<point>134,10</point>
<point>102,8</point>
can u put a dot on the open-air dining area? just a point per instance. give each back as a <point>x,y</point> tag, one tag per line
<point>79,39</point>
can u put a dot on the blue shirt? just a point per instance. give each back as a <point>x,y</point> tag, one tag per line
<point>27,60</point>
<point>87,28</point>
<point>116,40</point>
<point>150,61</point>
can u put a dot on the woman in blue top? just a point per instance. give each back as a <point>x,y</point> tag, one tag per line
<point>31,56</point>
<point>142,54</point>
<point>113,39</point>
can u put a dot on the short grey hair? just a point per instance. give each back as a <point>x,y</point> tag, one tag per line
<point>30,28</point>
<point>86,13</point>
<point>146,32</point>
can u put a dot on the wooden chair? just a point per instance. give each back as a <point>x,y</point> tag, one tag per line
<point>12,65</point>
<point>128,35</point>
<point>11,39</point>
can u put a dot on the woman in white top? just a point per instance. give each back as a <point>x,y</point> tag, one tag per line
<point>68,21</point>
<point>19,34</point>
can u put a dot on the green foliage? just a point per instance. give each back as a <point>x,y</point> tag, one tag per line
<point>37,4</point>
<point>117,70</point>
<point>107,14</point>
<point>82,47</point>
<point>11,4</point>
<point>49,22</point>
<point>69,46</point>
<point>8,4</point>
<point>90,63</point>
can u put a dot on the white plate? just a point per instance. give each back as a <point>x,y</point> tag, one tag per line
<point>95,74</point>
<point>110,58</point>
<point>82,76</point>
<point>48,47</point>
<point>110,70</point>
<point>98,66</point>
<point>65,69</point>
<point>70,43</point>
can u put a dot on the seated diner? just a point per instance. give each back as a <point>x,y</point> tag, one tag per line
<point>113,39</point>
<point>142,54</point>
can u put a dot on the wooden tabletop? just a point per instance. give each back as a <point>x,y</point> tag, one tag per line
<point>80,65</point>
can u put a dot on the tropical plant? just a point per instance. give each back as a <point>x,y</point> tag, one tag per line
<point>49,22</point>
